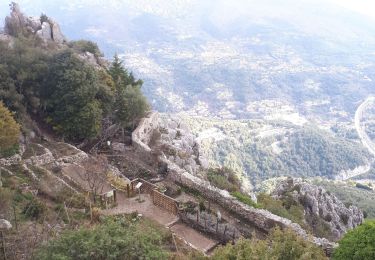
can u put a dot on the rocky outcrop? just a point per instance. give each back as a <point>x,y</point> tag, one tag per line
<point>319,203</point>
<point>179,145</point>
<point>43,27</point>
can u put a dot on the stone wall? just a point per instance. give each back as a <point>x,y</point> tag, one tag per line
<point>142,136</point>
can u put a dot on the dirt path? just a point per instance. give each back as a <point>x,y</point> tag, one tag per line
<point>149,210</point>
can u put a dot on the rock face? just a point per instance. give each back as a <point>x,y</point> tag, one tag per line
<point>43,27</point>
<point>319,203</point>
<point>180,145</point>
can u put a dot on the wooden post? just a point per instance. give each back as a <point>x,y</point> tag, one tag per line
<point>217,224</point>
<point>198,216</point>
<point>209,206</point>
<point>115,196</point>
<point>128,190</point>
<point>205,223</point>
<point>225,230</point>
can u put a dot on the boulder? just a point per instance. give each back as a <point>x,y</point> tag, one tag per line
<point>34,23</point>
<point>5,225</point>
<point>45,33</point>
<point>57,35</point>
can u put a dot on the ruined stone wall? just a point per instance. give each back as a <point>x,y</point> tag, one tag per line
<point>142,136</point>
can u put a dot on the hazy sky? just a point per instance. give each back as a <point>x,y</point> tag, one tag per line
<point>366,7</point>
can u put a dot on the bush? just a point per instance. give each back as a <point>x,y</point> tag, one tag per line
<point>114,238</point>
<point>244,199</point>
<point>9,132</point>
<point>283,208</point>
<point>358,243</point>
<point>280,244</point>
<point>224,178</point>
<point>34,209</point>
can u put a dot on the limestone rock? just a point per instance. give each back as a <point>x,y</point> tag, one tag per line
<point>321,204</point>
<point>45,33</point>
<point>34,23</point>
<point>5,225</point>
<point>47,30</point>
<point>57,35</point>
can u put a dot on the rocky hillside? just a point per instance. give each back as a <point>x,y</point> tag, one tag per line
<point>43,27</point>
<point>321,208</point>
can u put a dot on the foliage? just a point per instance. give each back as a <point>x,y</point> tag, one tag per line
<point>358,243</point>
<point>9,131</point>
<point>224,178</point>
<point>283,208</point>
<point>83,46</point>
<point>280,244</point>
<point>131,105</point>
<point>114,238</point>
<point>72,96</point>
<point>305,151</point>
<point>70,93</point>
<point>34,209</point>
<point>244,199</point>
<point>121,76</point>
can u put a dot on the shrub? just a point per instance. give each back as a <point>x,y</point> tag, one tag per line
<point>358,243</point>
<point>224,179</point>
<point>244,199</point>
<point>9,132</point>
<point>284,208</point>
<point>280,244</point>
<point>34,209</point>
<point>113,238</point>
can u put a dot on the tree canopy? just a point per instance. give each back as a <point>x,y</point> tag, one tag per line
<point>9,130</point>
<point>357,244</point>
<point>115,238</point>
<point>68,93</point>
<point>280,245</point>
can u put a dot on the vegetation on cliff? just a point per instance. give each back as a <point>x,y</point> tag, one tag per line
<point>73,96</point>
<point>9,131</point>
<point>279,245</point>
<point>358,243</point>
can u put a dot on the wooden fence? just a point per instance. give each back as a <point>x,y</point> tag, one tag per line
<point>159,199</point>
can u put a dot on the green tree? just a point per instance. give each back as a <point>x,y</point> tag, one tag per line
<point>130,106</point>
<point>9,130</point>
<point>115,238</point>
<point>279,245</point>
<point>121,76</point>
<point>358,243</point>
<point>70,97</point>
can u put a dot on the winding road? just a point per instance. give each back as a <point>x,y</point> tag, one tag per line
<point>366,141</point>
